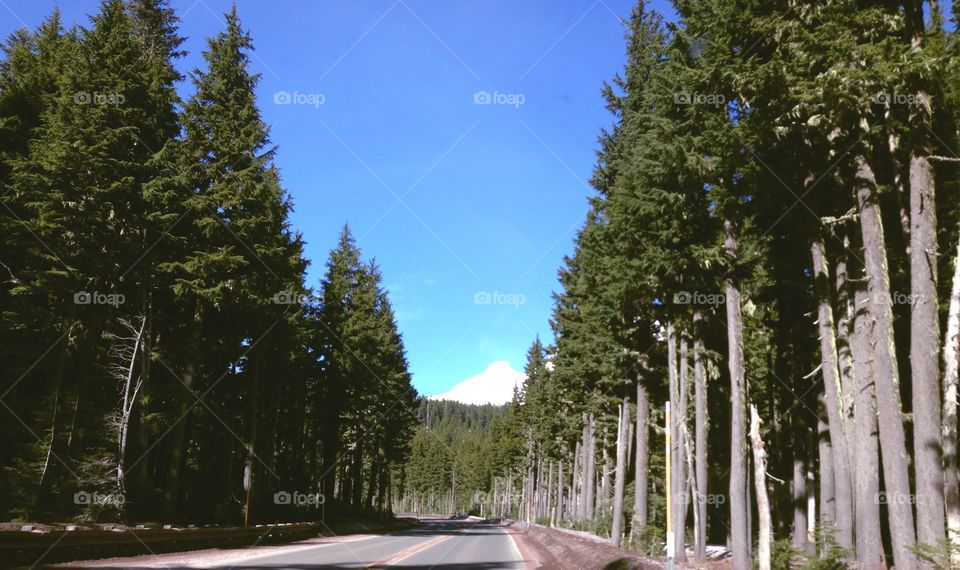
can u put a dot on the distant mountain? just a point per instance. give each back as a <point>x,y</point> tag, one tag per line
<point>492,386</point>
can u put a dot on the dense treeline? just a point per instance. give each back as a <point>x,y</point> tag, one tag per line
<point>451,459</point>
<point>773,242</point>
<point>161,357</point>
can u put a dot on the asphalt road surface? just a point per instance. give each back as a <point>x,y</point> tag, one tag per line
<point>439,545</point>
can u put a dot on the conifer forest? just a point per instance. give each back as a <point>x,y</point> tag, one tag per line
<point>753,341</point>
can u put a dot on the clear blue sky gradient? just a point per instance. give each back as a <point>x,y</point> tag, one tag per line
<point>452,198</point>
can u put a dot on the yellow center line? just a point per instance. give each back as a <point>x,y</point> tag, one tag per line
<point>407,553</point>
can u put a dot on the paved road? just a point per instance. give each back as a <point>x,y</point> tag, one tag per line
<point>439,545</point>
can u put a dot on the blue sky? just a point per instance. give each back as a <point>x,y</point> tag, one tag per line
<point>453,198</point>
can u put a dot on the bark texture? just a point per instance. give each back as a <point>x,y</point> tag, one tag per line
<point>830,370</point>
<point>887,377</point>
<point>739,507</point>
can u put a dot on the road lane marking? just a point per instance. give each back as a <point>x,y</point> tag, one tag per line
<point>513,543</point>
<point>413,550</point>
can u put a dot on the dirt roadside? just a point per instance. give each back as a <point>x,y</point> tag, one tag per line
<point>546,548</point>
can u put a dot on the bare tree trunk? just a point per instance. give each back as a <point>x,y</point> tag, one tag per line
<point>924,318</point>
<point>867,459</point>
<point>124,351</point>
<point>583,477</point>
<point>621,472</point>
<point>924,352</point>
<point>178,440</point>
<point>57,418</point>
<point>591,461</point>
<point>811,503</point>
<point>548,503</point>
<point>678,379</point>
<point>253,397</point>
<point>556,511</point>
<point>844,313</point>
<point>739,507</point>
<point>892,439</point>
<point>828,498</point>
<point>576,503</point>
<point>829,367</point>
<point>605,495</point>
<point>951,359</point>
<point>760,483</point>
<point>642,459</point>
<point>700,436</point>
<point>798,494</point>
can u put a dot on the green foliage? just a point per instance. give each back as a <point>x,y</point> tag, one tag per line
<point>941,556</point>
<point>227,393</point>
<point>649,541</point>
<point>782,555</point>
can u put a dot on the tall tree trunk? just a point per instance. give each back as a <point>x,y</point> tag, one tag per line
<point>57,419</point>
<point>591,458</point>
<point>869,538</point>
<point>760,483</point>
<point>558,511</point>
<point>844,312</point>
<point>892,439</point>
<point>677,379</point>
<point>739,507</point>
<point>924,351</point>
<point>576,476</point>
<point>642,460</point>
<point>356,498</point>
<point>828,498</point>
<point>798,495</point>
<point>548,504</point>
<point>700,435</point>
<point>586,482</point>
<point>924,318</point>
<point>951,367</point>
<point>621,472</point>
<point>178,440</point>
<point>249,475</point>
<point>142,434</point>
<point>811,497</point>
<point>126,373</point>
<point>605,496</point>
<point>829,367</point>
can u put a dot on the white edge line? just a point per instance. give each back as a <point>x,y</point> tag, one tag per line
<point>516,549</point>
<point>289,549</point>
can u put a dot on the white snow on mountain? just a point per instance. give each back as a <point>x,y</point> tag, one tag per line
<point>492,386</point>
